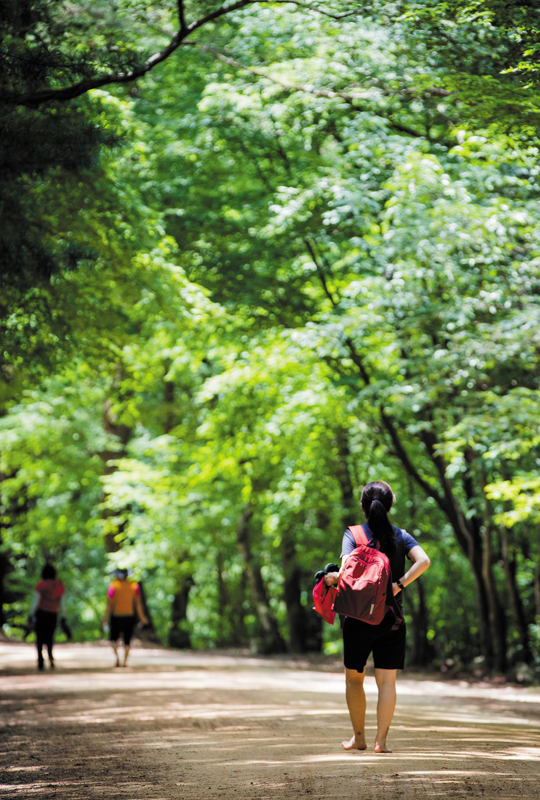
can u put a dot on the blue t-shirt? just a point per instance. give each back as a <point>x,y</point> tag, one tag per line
<point>404,543</point>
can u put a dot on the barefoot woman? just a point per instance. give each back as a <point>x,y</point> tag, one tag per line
<point>359,638</point>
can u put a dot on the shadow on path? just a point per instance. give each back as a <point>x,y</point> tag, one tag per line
<point>192,726</point>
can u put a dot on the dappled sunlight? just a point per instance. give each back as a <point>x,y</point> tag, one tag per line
<point>522,753</point>
<point>400,754</point>
<point>23,769</point>
<point>448,772</point>
<point>221,713</point>
<point>275,730</point>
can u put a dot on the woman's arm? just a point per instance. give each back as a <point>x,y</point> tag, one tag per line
<point>331,578</point>
<point>140,611</point>
<point>62,606</point>
<point>421,562</point>
<point>108,610</point>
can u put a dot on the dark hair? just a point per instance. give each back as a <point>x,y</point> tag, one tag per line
<point>121,574</point>
<point>48,573</point>
<point>377,499</point>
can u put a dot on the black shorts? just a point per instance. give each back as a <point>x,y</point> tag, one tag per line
<point>360,639</point>
<point>45,626</point>
<point>121,625</point>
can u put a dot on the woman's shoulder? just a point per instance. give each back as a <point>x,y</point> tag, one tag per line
<point>404,537</point>
<point>400,531</point>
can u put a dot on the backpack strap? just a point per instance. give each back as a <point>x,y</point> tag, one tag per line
<point>359,535</point>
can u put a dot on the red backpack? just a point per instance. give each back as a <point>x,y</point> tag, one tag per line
<point>364,590</point>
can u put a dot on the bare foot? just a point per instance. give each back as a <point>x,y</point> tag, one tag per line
<point>380,747</point>
<point>354,743</point>
<point>117,662</point>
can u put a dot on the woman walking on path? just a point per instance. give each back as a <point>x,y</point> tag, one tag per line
<point>47,603</point>
<point>123,598</point>
<point>360,638</point>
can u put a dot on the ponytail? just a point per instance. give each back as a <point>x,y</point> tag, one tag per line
<point>377,500</point>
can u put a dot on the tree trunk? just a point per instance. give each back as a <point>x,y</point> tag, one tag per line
<point>537,578</point>
<point>478,552</point>
<point>232,603</point>
<point>178,636</point>
<point>179,632</point>
<point>224,602</point>
<point>297,614</point>
<point>516,606</point>
<point>314,633</point>
<point>422,650</point>
<point>4,569</point>
<point>11,595</point>
<point>149,633</point>
<point>477,547</point>
<point>497,618</point>
<point>486,641</point>
<point>271,640</point>
<point>124,434</point>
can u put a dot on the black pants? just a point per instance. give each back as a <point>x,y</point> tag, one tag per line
<point>122,626</point>
<point>45,627</point>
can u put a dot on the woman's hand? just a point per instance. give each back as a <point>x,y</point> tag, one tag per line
<point>395,589</point>
<point>331,578</point>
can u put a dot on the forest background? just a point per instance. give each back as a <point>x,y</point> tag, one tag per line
<point>252,257</point>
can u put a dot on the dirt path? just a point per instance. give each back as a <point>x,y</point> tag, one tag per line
<point>199,727</point>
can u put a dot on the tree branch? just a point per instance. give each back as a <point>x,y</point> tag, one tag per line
<point>320,272</point>
<point>407,463</point>
<point>181,15</point>
<point>355,358</point>
<point>290,87</point>
<point>348,97</point>
<point>395,437</point>
<point>466,538</point>
<point>34,99</point>
<point>313,8</point>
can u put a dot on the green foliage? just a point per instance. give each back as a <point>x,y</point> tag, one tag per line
<point>295,258</point>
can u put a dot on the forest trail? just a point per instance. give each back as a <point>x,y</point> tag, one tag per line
<point>202,726</point>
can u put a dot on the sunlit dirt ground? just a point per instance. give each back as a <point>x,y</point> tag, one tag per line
<point>187,725</point>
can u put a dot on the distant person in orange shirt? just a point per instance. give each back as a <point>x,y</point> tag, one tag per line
<point>123,598</point>
<point>48,602</point>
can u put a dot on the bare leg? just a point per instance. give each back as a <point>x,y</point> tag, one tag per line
<point>49,645</point>
<point>356,703</point>
<point>386,684</point>
<point>39,644</point>
<point>115,649</point>
<point>126,654</point>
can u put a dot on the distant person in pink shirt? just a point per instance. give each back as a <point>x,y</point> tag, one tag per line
<point>47,604</point>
